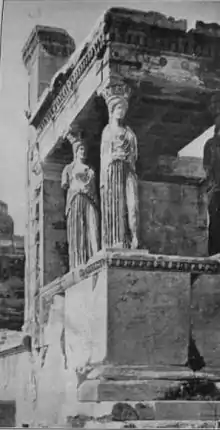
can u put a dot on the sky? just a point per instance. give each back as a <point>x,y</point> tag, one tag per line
<point>78,18</point>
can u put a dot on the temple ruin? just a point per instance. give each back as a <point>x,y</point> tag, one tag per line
<point>123,334</point>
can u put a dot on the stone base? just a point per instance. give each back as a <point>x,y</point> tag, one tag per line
<point>95,390</point>
<point>141,384</point>
<point>134,308</point>
<point>133,338</point>
<point>168,424</point>
<point>149,414</point>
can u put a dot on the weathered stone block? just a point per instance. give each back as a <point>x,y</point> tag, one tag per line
<point>51,369</point>
<point>148,317</point>
<point>129,316</point>
<point>16,385</point>
<point>205,318</point>
<point>96,390</point>
<point>86,321</point>
<point>191,410</point>
<point>157,412</point>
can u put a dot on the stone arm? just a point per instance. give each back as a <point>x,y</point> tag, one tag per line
<point>132,158</point>
<point>93,187</point>
<point>65,178</point>
<point>105,155</point>
<point>208,161</point>
<point>207,157</point>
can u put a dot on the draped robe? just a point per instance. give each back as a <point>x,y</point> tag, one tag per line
<point>81,214</point>
<point>211,164</point>
<point>118,187</point>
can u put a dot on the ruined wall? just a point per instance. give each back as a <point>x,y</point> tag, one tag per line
<point>15,385</point>
<point>52,371</point>
<point>35,381</point>
<point>173,218</point>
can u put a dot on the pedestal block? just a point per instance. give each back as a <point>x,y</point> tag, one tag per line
<point>131,312</point>
<point>130,321</point>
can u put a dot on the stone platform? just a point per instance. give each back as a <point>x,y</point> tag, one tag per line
<point>169,424</point>
<point>142,330</point>
<point>159,414</point>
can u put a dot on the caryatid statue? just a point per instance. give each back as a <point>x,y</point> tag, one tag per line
<point>118,179</point>
<point>211,164</point>
<point>81,206</point>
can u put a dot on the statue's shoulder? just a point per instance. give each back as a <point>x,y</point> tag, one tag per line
<point>106,131</point>
<point>67,169</point>
<point>130,132</point>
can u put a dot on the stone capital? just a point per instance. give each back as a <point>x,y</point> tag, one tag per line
<point>114,89</point>
<point>74,134</point>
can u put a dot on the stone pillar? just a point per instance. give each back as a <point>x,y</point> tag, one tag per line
<point>53,226</point>
<point>45,52</point>
<point>45,247</point>
<point>33,244</point>
<point>51,247</point>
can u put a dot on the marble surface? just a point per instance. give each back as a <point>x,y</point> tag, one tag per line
<point>205,318</point>
<point>148,317</point>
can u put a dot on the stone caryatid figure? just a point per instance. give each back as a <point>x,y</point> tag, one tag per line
<point>81,206</point>
<point>211,164</point>
<point>118,179</point>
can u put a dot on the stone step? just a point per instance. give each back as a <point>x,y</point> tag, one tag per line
<point>98,390</point>
<point>142,372</point>
<point>168,424</point>
<point>153,410</point>
<point>143,390</point>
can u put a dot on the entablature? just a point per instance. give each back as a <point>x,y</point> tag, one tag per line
<point>156,55</point>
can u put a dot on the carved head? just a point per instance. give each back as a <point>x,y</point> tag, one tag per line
<point>116,97</point>
<point>79,151</point>
<point>117,107</point>
<point>78,146</point>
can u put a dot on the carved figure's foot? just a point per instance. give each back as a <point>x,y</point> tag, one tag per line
<point>134,242</point>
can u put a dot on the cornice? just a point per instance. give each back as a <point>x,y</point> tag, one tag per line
<point>139,260</point>
<point>153,38</point>
<point>65,80</point>
<point>50,38</point>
